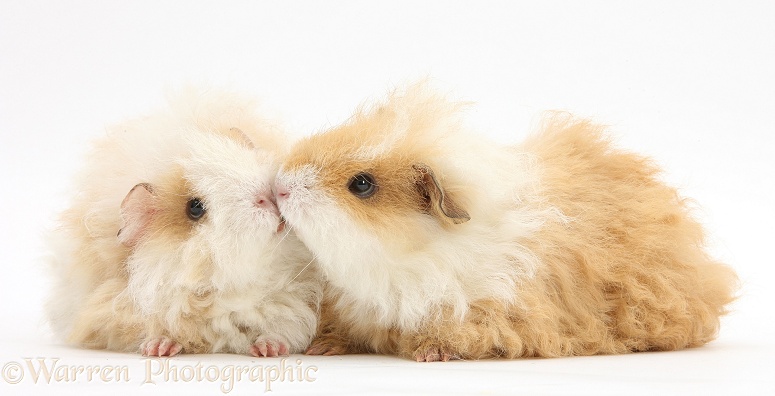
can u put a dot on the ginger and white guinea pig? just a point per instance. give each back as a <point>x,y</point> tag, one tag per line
<point>438,244</point>
<point>173,242</point>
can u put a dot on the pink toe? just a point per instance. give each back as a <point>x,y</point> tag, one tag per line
<point>169,348</point>
<point>283,350</point>
<point>261,349</point>
<point>254,351</point>
<point>164,347</point>
<point>152,348</point>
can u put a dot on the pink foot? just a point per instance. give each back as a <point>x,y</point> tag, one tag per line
<point>269,347</point>
<point>326,347</point>
<point>160,346</point>
<point>434,354</point>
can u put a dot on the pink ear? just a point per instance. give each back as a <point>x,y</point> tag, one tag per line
<point>137,210</point>
<point>439,202</point>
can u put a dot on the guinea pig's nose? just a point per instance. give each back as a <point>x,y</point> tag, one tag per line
<point>266,201</point>
<point>281,191</point>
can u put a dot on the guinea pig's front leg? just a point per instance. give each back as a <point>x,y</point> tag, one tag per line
<point>160,346</point>
<point>333,336</point>
<point>269,346</point>
<point>425,347</point>
<point>488,330</point>
<point>330,343</point>
<point>284,326</point>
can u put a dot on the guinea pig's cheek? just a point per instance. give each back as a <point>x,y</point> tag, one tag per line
<point>308,212</point>
<point>296,214</point>
<point>326,219</point>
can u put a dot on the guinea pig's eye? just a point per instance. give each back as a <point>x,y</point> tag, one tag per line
<point>195,209</point>
<point>362,185</point>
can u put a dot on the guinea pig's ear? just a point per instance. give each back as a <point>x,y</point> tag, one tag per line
<point>438,202</point>
<point>240,136</point>
<point>137,210</point>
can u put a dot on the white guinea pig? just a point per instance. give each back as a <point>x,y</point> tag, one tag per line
<point>438,244</point>
<point>174,243</point>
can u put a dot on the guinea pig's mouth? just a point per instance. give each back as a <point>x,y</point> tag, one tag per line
<point>281,226</point>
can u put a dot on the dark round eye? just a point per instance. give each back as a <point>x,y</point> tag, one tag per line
<point>195,209</point>
<point>362,185</point>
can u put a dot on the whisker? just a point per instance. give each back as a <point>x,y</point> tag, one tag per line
<point>288,231</point>
<point>302,270</point>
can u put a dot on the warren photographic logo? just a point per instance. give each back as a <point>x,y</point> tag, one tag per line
<point>42,370</point>
<point>53,371</point>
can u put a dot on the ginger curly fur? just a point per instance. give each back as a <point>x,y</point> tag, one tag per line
<point>573,247</point>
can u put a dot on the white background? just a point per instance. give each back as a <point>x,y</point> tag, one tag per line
<point>691,84</point>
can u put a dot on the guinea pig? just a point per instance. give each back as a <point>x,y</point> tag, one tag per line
<point>174,242</point>
<point>437,244</point>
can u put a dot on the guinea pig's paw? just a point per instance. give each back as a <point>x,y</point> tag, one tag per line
<point>160,346</point>
<point>269,346</point>
<point>434,353</point>
<point>327,346</point>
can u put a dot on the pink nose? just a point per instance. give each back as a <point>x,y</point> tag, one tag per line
<point>266,201</point>
<point>281,191</point>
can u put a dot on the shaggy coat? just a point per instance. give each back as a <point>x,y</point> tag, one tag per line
<point>173,242</point>
<point>438,244</point>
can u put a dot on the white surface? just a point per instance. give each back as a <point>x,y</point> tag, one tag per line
<point>689,83</point>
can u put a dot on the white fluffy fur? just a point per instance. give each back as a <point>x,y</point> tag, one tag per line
<point>254,277</point>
